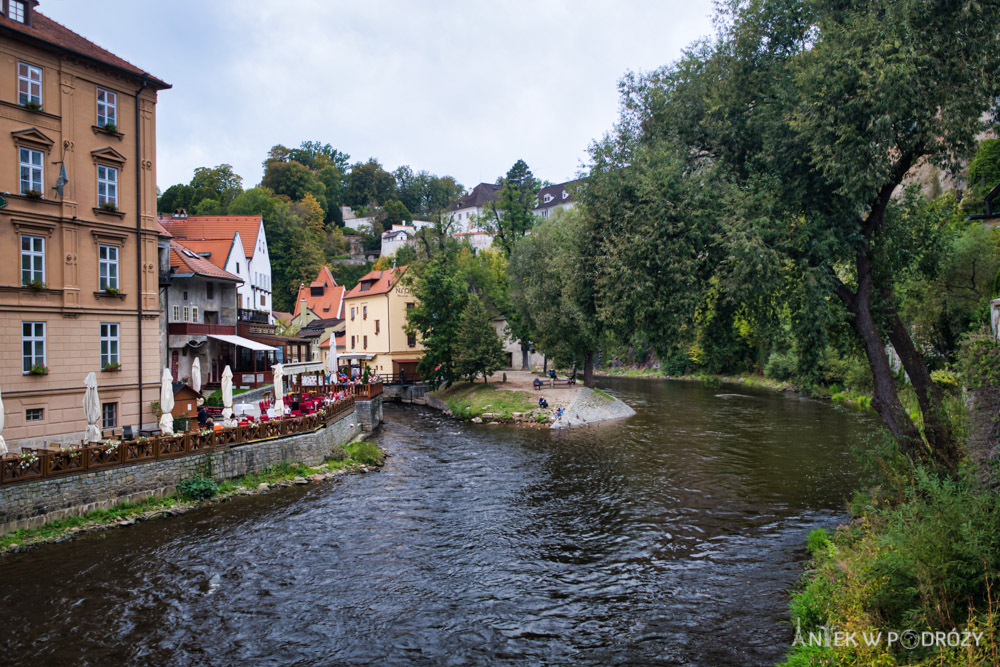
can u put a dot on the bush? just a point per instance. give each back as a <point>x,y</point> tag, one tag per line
<point>197,488</point>
<point>365,452</point>
<point>781,366</point>
<point>337,454</point>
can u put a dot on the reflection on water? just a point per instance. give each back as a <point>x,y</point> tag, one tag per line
<point>668,538</point>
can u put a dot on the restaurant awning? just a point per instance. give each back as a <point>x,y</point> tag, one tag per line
<point>243,342</point>
<point>356,355</point>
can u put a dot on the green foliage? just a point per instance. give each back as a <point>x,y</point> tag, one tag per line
<point>215,398</point>
<point>510,216</point>
<point>781,365</point>
<point>472,400</point>
<point>394,213</point>
<point>197,488</point>
<point>983,176</point>
<point>818,541</point>
<point>366,453</point>
<point>369,184</point>
<point>478,348</point>
<point>441,295</point>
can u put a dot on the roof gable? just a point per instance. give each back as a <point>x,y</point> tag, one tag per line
<point>377,282</point>
<point>216,227</point>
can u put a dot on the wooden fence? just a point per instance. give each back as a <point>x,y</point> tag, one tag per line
<point>33,464</point>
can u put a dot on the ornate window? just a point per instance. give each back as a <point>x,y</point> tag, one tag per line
<point>109,343</point>
<point>32,344</point>
<point>107,185</point>
<point>32,259</point>
<point>108,266</point>
<point>29,84</point>
<point>107,107</point>
<point>31,171</point>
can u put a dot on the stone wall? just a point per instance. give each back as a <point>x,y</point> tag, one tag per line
<point>33,503</point>
<point>369,413</point>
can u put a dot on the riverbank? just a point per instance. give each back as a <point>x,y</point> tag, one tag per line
<point>354,458</point>
<point>515,401</point>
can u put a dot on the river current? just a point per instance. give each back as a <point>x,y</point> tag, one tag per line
<point>672,537</point>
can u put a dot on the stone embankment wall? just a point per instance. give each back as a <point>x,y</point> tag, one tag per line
<point>411,393</point>
<point>33,503</point>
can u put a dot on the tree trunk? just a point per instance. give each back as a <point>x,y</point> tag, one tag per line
<point>524,356</point>
<point>545,366</point>
<point>588,371</point>
<point>885,399</point>
<point>937,429</point>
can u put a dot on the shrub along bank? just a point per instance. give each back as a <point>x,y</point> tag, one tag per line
<point>921,555</point>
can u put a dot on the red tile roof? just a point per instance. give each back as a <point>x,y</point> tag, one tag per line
<point>162,231</point>
<point>216,227</point>
<point>381,282</point>
<point>185,260</point>
<point>326,305</point>
<point>54,34</point>
<point>217,251</point>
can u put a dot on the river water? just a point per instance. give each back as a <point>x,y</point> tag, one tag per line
<point>670,538</point>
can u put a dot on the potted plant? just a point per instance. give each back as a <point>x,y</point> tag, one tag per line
<point>39,369</point>
<point>36,285</point>
<point>111,367</point>
<point>27,458</point>
<point>113,291</point>
<point>31,105</point>
<point>32,194</point>
<point>109,206</point>
<point>111,127</point>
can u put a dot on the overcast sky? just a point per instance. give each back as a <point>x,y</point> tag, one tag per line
<point>454,87</point>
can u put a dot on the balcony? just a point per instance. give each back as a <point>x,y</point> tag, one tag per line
<point>255,316</point>
<point>191,329</point>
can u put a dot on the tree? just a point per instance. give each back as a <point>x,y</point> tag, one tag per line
<point>293,180</point>
<point>510,215</point>
<point>369,184</point>
<point>255,201</point>
<point>393,213</point>
<point>479,350</point>
<point>551,286</point>
<point>220,183</point>
<point>441,295</point>
<point>174,198</point>
<point>809,116</point>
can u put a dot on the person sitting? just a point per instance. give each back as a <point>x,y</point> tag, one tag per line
<point>542,403</point>
<point>552,373</point>
<point>204,420</point>
<point>559,411</point>
<point>538,383</point>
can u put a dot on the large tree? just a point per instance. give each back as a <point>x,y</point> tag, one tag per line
<point>510,215</point>
<point>810,116</point>
<point>479,350</point>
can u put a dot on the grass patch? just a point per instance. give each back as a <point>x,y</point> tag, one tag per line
<point>215,398</point>
<point>604,394</point>
<point>468,400</point>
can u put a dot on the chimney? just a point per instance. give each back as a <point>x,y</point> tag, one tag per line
<point>180,214</point>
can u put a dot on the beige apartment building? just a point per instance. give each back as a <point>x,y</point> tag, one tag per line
<point>375,311</point>
<point>79,287</point>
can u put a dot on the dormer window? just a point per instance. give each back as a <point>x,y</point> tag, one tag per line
<point>16,11</point>
<point>548,198</point>
<point>316,291</point>
<point>565,195</point>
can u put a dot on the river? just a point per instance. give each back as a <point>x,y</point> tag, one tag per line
<point>670,538</point>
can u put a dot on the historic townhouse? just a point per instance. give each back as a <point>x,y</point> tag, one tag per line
<point>78,292</point>
<point>375,311</point>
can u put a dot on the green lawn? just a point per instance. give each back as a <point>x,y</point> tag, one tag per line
<point>468,400</point>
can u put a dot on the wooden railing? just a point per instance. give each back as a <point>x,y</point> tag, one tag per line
<point>33,464</point>
<point>365,392</point>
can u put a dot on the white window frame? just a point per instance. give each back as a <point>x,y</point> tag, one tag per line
<point>30,336</point>
<point>30,414</point>
<point>107,185</point>
<point>15,10</point>
<point>32,170</point>
<point>108,273</point>
<point>107,107</point>
<point>29,83</point>
<point>110,343</point>
<point>34,254</point>
<point>187,314</point>
<point>194,314</point>
<point>176,314</point>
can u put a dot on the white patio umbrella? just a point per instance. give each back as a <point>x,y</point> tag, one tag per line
<point>196,375</point>
<point>167,403</point>
<point>92,408</point>
<point>3,444</point>
<point>227,393</point>
<point>331,360</point>
<point>279,392</point>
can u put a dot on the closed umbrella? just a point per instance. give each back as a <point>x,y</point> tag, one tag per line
<point>3,445</point>
<point>167,403</point>
<point>279,392</point>
<point>92,408</point>
<point>227,393</point>
<point>196,375</point>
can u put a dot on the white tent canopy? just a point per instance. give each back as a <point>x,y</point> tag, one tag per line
<point>167,403</point>
<point>243,342</point>
<point>92,408</point>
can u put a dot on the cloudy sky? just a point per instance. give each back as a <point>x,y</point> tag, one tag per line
<point>457,87</point>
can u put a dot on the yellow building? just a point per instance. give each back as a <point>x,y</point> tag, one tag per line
<point>375,311</point>
<point>79,289</point>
